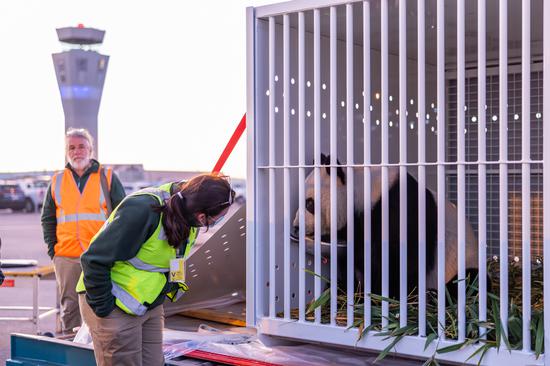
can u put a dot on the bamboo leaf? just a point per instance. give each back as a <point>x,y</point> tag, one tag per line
<point>429,339</point>
<point>388,349</point>
<point>322,300</point>
<point>539,338</point>
<point>317,275</point>
<point>451,348</point>
<point>479,350</point>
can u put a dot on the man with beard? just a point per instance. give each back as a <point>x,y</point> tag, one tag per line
<point>77,203</point>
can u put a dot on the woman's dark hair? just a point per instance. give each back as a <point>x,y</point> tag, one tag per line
<point>206,193</point>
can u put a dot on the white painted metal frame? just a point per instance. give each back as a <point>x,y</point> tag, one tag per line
<point>263,315</point>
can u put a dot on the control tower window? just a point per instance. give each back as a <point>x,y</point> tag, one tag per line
<point>82,64</point>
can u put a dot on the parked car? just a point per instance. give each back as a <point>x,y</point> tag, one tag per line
<point>13,197</point>
<point>35,189</point>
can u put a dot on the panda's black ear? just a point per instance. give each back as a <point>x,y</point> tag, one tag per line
<point>340,174</point>
<point>325,159</point>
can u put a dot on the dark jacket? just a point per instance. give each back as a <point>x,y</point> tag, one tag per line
<point>49,220</point>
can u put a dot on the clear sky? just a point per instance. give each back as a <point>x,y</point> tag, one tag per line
<point>174,92</point>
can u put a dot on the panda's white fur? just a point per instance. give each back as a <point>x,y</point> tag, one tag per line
<point>451,214</point>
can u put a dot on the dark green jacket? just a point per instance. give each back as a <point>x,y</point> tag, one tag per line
<point>49,220</point>
<point>134,223</point>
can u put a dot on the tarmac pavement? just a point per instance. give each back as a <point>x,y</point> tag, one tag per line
<point>21,236</point>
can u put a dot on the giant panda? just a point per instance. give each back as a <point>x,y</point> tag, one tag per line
<point>451,249</point>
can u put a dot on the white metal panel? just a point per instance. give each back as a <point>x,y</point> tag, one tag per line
<point>349,170</point>
<point>421,168</point>
<point>403,291</point>
<point>251,188</point>
<point>272,198</point>
<point>367,157</point>
<point>482,168</point>
<point>441,117</point>
<point>526,170</point>
<point>384,94</point>
<point>333,161</point>
<point>317,151</point>
<point>286,161</point>
<point>503,166</point>
<point>461,185</point>
<point>302,163</point>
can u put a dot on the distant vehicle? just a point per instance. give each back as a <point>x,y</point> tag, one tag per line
<point>131,187</point>
<point>35,190</point>
<point>13,197</point>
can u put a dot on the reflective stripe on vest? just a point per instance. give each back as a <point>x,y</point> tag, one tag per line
<point>139,264</point>
<point>128,300</point>
<point>77,217</point>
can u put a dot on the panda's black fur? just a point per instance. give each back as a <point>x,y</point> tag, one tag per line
<point>394,245</point>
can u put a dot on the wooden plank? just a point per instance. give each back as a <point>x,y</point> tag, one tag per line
<point>40,271</point>
<point>220,316</point>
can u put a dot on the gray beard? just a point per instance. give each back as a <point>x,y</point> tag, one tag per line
<point>81,165</point>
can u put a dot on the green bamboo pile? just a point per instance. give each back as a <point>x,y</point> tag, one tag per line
<point>493,336</point>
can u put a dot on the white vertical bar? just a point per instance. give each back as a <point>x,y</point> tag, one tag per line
<point>526,171</point>
<point>255,287</point>
<point>367,157</point>
<point>272,217</point>
<point>286,158</point>
<point>350,160</point>
<point>503,144</point>
<point>546,174</point>
<point>301,170</point>
<point>482,167</point>
<point>385,194</point>
<point>333,162</point>
<point>317,152</point>
<point>403,291</point>
<point>461,176</point>
<point>421,169</point>
<point>441,199</point>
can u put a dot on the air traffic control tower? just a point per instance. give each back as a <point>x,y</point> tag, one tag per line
<point>80,72</point>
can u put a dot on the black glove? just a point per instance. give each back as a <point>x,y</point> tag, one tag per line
<point>51,251</point>
<point>1,277</point>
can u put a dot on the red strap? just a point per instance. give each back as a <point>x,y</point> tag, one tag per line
<point>226,359</point>
<point>230,145</point>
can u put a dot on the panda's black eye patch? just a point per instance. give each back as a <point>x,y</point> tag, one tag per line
<point>310,205</point>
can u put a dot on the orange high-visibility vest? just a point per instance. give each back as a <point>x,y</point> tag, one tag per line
<point>79,215</point>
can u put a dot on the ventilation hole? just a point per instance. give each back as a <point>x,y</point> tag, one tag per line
<point>277,267</point>
<point>277,298</point>
<point>293,295</point>
<point>267,284</point>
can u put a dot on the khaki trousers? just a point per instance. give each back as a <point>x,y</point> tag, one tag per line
<point>67,273</point>
<point>121,339</point>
